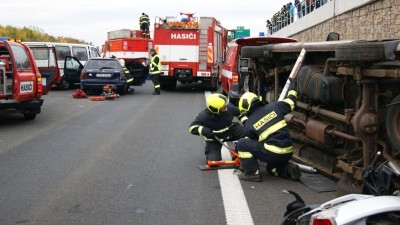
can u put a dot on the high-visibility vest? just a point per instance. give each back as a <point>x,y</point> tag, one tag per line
<point>155,68</point>
<point>144,19</point>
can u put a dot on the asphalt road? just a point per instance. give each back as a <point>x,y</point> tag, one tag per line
<point>128,161</point>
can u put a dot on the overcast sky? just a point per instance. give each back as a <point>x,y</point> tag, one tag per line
<point>91,19</point>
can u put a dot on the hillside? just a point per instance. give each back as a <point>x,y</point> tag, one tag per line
<point>34,34</point>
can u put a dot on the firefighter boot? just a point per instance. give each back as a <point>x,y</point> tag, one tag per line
<point>250,176</point>
<point>293,171</point>
<point>156,91</point>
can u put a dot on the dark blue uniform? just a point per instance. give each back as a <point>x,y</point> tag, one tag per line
<point>267,136</point>
<point>207,124</point>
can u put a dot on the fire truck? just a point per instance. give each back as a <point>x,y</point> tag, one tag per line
<point>25,75</point>
<point>191,49</point>
<point>131,46</point>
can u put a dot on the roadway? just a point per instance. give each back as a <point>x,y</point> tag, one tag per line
<point>128,161</point>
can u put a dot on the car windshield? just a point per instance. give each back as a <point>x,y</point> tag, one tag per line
<point>103,64</point>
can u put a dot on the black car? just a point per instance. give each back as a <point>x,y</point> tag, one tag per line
<point>103,71</point>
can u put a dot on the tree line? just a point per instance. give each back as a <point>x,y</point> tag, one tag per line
<point>35,34</point>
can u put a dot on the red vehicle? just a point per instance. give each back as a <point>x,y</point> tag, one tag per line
<point>231,81</point>
<point>25,76</point>
<point>190,49</point>
<point>133,48</point>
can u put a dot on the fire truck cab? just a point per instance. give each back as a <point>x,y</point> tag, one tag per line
<point>233,84</point>
<point>25,76</point>
<point>191,49</point>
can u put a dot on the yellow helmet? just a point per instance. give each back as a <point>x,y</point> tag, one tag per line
<point>215,102</point>
<point>247,100</point>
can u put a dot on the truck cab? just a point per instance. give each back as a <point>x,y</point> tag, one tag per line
<point>22,80</point>
<point>231,80</point>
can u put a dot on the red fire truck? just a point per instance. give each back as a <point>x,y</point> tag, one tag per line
<point>131,46</point>
<point>191,49</point>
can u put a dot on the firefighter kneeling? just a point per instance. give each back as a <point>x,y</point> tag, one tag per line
<point>267,138</point>
<point>216,122</point>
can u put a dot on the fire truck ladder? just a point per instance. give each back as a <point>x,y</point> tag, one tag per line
<point>203,49</point>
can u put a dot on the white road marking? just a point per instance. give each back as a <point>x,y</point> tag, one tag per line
<point>237,210</point>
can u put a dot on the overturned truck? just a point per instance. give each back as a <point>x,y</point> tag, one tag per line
<point>349,100</point>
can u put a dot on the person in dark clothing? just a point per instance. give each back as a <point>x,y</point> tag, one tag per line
<point>155,71</point>
<point>216,121</point>
<point>317,3</point>
<point>298,6</point>
<point>144,22</point>
<point>267,138</point>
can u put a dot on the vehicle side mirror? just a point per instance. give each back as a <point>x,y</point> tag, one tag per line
<point>220,60</point>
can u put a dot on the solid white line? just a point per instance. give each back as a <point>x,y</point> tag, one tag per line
<point>237,210</point>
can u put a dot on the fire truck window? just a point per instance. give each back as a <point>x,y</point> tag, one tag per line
<point>80,53</point>
<point>21,58</point>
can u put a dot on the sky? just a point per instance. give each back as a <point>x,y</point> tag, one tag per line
<point>90,20</point>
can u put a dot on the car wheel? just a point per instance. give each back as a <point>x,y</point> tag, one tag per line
<point>64,85</point>
<point>29,116</point>
<point>393,123</point>
<point>367,51</point>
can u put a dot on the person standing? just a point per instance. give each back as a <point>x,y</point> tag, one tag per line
<point>291,12</point>
<point>298,6</point>
<point>155,71</point>
<point>144,22</point>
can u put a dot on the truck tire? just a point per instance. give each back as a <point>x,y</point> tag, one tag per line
<point>29,116</point>
<point>393,123</point>
<point>252,52</point>
<point>346,186</point>
<point>366,51</point>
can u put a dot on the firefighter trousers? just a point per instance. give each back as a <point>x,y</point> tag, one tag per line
<point>250,151</point>
<point>156,81</point>
<point>213,148</point>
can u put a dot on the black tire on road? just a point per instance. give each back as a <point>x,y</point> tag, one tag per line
<point>252,52</point>
<point>64,85</point>
<point>393,123</point>
<point>29,116</point>
<point>346,185</point>
<point>365,51</point>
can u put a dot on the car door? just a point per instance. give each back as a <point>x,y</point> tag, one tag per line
<point>46,61</point>
<point>72,69</point>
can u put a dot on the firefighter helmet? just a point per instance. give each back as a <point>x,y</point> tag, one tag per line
<point>215,102</point>
<point>247,101</point>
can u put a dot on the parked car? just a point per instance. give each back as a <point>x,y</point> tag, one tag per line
<point>103,71</point>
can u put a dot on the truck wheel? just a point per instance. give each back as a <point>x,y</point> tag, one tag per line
<point>367,51</point>
<point>29,116</point>
<point>64,85</point>
<point>252,52</point>
<point>346,185</point>
<point>393,123</point>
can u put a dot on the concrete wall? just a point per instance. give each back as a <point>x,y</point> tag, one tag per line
<point>352,19</point>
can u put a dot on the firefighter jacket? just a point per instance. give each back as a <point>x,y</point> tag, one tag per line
<point>144,19</point>
<point>266,124</point>
<point>155,65</point>
<point>218,124</point>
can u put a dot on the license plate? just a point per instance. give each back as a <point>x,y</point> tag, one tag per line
<point>26,86</point>
<point>104,75</point>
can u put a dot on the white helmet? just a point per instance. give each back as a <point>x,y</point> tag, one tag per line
<point>122,62</point>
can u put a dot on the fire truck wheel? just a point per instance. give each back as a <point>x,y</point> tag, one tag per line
<point>346,185</point>
<point>29,116</point>
<point>393,123</point>
<point>366,51</point>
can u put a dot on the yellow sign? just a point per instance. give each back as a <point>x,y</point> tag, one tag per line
<point>265,120</point>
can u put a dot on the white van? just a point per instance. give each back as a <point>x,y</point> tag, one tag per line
<point>79,52</point>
